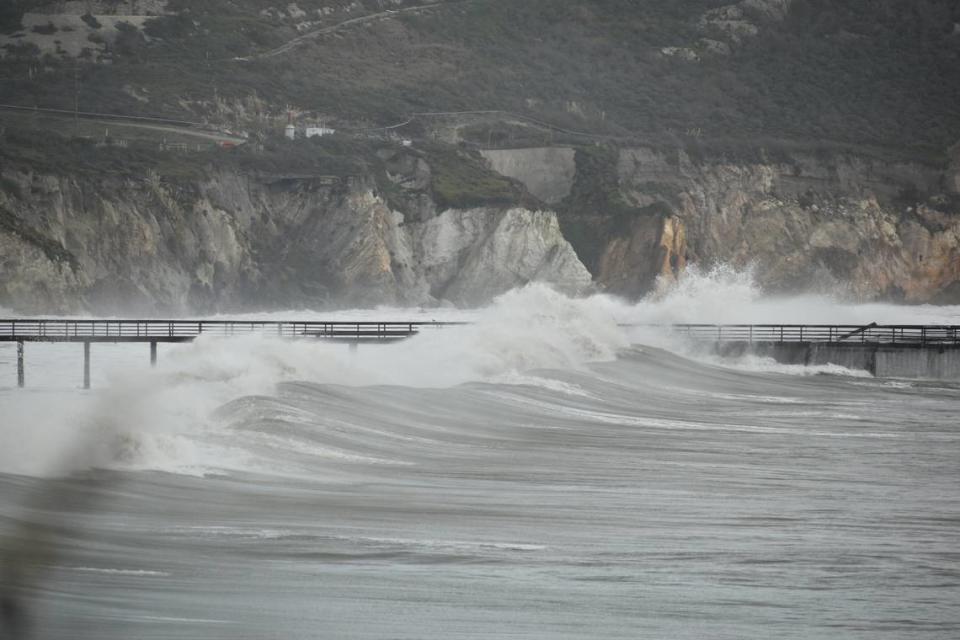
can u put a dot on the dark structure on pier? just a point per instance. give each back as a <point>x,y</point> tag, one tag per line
<point>917,351</point>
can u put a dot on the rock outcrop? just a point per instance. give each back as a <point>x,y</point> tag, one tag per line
<point>232,241</point>
<point>429,229</point>
<point>874,228</point>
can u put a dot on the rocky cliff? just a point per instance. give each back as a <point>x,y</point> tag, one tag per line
<point>862,224</point>
<point>423,228</point>
<point>234,239</point>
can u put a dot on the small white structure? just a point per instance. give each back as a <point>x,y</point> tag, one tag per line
<point>314,131</point>
<point>290,132</point>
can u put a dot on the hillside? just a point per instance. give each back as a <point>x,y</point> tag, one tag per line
<point>479,145</point>
<point>884,73</point>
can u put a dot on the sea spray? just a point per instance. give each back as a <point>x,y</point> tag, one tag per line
<point>167,418</point>
<point>727,295</point>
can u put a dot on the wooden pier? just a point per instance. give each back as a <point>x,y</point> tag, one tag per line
<point>790,342</point>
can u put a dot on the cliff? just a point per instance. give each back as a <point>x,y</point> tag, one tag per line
<point>860,223</point>
<point>231,238</point>
<point>840,176</point>
<point>384,224</point>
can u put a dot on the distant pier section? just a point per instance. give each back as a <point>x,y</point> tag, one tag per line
<point>886,351</point>
<point>904,351</point>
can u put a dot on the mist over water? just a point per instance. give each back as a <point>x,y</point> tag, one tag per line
<point>167,419</point>
<point>542,472</point>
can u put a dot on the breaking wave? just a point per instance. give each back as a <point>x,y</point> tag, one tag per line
<point>262,405</point>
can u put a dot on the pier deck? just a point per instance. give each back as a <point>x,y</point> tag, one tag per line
<point>152,332</point>
<point>905,335</point>
<point>886,351</point>
<point>63,330</point>
<point>69,330</point>
<point>856,346</point>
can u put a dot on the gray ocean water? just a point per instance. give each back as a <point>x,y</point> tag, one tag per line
<point>649,497</point>
<point>538,474</point>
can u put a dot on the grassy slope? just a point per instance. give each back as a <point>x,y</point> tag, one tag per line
<point>460,178</point>
<point>884,73</point>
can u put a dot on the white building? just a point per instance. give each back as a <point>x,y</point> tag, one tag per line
<point>290,132</point>
<point>314,131</point>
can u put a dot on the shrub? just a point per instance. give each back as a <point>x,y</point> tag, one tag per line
<point>45,29</point>
<point>91,21</point>
<point>11,16</point>
<point>10,186</point>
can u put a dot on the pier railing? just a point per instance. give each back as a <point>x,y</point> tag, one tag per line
<point>87,332</point>
<point>70,330</point>
<point>60,330</point>
<point>919,335</point>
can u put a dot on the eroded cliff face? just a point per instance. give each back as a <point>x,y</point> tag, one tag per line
<point>232,240</point>
<point>874,228</point>
<point>868,227</point>
<point>631,218</point>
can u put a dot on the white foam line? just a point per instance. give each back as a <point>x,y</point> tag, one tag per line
<point>450,544</point>
<point>121,572</point>
<point>657,423</point>
<point>233,532</point>
<point>173,619</point>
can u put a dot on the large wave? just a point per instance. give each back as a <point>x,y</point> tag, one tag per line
<point>173,418</point>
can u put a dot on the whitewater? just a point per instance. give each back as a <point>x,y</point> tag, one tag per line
<point>542,472</point>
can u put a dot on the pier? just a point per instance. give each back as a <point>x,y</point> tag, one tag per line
<point>152,332</point>
<point>911,351</point>
<point>886,351</point>
<point>903,335</point>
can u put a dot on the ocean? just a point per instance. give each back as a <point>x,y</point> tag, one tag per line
<point>543,472</point>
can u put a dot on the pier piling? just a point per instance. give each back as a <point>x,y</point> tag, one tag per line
<point>153,353</point>
<point>21,374</point>
<point>86,365</point>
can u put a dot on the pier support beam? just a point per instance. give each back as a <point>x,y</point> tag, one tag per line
<point>86,365</point>
<point>21,374</point>
<point>354,346</point>
<point>153,354</point>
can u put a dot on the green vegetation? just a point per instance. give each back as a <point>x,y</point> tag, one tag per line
<point>91,20</point>
<point>598,186</point>
<point>336,155</point>
<point>50,153</point>
<point>8,185</point>
<point>884,74</point>
<point>11,14</point>
<point>596,209</point>
<point>461,179</point>
<point>58,155</point>
<point>45,29</point>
